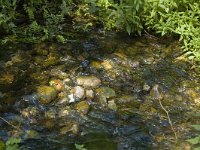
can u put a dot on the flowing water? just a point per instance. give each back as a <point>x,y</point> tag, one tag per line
<point>142,80</point>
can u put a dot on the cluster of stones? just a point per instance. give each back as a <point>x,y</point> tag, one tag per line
<point>86,89</point>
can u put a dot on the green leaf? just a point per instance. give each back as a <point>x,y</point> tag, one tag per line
<point>128,28</point>
<point>197,127</point>
<point>197,148</point>
<point>195,140</point>
<point>80,147</point>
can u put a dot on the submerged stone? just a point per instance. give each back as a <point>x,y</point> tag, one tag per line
<point>89,94</point>
<point>46,94</point>
<point>57,84</point>
<point>83,107</point>
<point>79,92</point>
<point>112,105</point>
<point>107,65</point>
<point>70,127</point>
<point>106,92</point>
<point>88,81</point>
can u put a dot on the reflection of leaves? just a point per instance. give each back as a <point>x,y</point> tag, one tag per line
<point>80,147</point>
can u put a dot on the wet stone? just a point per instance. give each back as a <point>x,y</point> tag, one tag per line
<point>88,81</point>
<point>89,94</point>
<point>70,127</point>
<point>46,94</point>
<point>57,84</point>
<point>106,92</point>
<point>65,111</point>
<point>83,107</point>
<point>112,105</point>
<point>79,92</point>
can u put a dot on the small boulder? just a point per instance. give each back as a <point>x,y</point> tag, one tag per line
<point>79,92</point>
<point>57,84</point>
<point>83,107</point>
<point>46,94</point>
<point>89,94</point>
<point>106,92</point>
<point>88,81</point>
<point>70,127</point>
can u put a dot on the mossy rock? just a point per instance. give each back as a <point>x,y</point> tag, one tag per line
<point>83,107</point>
<point>106,92</point>
<point>46,94</point>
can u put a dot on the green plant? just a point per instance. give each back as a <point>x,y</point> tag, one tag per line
<point>12,144</point>
<point>196,140</point>
<point>169,17</point>
<point>80,147</point>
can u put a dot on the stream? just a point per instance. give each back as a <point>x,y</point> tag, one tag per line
<point>102,91</point>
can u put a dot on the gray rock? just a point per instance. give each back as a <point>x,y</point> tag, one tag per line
<point>79,92</point>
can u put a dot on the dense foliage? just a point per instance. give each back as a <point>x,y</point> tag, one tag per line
<point>39,20</point>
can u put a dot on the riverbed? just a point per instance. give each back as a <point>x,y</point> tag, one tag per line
<point>102,91</point>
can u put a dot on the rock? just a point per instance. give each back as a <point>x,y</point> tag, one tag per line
<point>106,92</point>
<point>57,84</point>
<point>89,94</point>
<point>70,127</point>
<point>83,107</point>
<point>71,98</point>
<point>112,105</point>
<point>63,101</point>
<point>88,81</point>
<point>79,92</point>
<point>64,111</point>
<point>46,94</point>
<point>95,64</point>
<point>107,65</point>
<point>51,60</point>
<point>102,101</point>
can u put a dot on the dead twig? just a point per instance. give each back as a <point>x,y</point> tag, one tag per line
<point>9,123</point>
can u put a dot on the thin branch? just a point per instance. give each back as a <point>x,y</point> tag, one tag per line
<point>169,120</point>
<point>9,123</point>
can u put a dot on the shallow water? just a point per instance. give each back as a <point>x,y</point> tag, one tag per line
<point>132,67</point>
